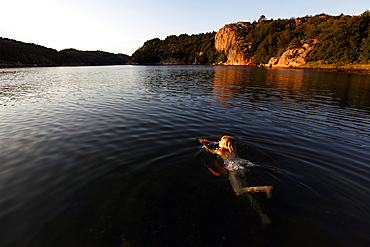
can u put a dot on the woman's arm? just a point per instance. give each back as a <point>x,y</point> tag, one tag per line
<point>213,151</point>
<point>204,140</point>
<point>208,149</point>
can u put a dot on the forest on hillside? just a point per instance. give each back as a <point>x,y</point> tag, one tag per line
<point>343,39</point>
<point>184,48</point>
<point>13,53</point>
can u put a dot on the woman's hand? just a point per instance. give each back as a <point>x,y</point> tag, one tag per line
<point>208,149</point>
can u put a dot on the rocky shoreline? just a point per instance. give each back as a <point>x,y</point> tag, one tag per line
<point>357,71</point>
<point>230,40</point>
<point>346,70</point>
<point>240,52</point>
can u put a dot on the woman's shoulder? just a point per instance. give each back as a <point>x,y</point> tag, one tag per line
<point>227,155</point>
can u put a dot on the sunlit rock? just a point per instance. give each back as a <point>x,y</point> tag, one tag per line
<point>229,40</point>
<point>294,57</point>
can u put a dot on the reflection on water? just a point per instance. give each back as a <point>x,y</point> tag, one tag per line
<point>307,88</point>
<point>12,93</point>
<point>96,156</point>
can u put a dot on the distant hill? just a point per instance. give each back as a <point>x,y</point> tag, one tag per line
<point>16,53</point>
<point>321,38</point>
<point>182,49</point>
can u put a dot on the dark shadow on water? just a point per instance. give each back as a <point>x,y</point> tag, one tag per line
<point>102,156</point>
<point>179,205</point>
<point>186,205</point>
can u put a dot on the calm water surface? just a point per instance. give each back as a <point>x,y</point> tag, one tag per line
<point>105,156</point>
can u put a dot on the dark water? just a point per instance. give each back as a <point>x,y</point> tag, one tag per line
<point>101,156</point>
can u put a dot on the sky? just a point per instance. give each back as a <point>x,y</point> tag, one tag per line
<point>122,26</point>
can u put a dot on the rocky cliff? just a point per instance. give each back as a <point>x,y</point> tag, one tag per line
<point>294,57</point>
<point>229,40</point>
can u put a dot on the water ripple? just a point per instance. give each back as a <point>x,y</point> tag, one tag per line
<point>91,155</point>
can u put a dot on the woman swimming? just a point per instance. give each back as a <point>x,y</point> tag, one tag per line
<point>235,166</point>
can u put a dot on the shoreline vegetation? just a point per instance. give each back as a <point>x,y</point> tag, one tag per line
<point>339,67</point>
<point>19,54</point>
<point>322,66</point>
<point>321,42</point>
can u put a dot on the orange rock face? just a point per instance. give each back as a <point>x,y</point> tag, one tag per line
<point>294,57</point>
<point>229,39</point>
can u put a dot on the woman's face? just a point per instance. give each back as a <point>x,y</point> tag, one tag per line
<point>222,143</point>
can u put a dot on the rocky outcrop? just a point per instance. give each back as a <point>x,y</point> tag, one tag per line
<point>230,41</point>
<point>171,61</point>
<point>294,57</point>
<point>177,61</point>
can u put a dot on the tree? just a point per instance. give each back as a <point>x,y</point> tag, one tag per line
<point>365,50</point>
<point>262,18</point>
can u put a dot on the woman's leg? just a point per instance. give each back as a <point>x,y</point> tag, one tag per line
<point>236,183</point>
<point>267,189</point>
<point>266,221</point>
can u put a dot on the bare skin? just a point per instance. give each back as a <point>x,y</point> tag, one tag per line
<point>224,153</point>
<point>227,153</point>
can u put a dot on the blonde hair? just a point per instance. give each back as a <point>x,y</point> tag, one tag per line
<point>230,143</point>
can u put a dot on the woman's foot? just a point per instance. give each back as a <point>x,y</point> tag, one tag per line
<point>237,193</point>
<point>266,221</point>
<point>269,191</point>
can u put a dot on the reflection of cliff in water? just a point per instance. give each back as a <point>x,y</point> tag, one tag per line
<point>309,88</point>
